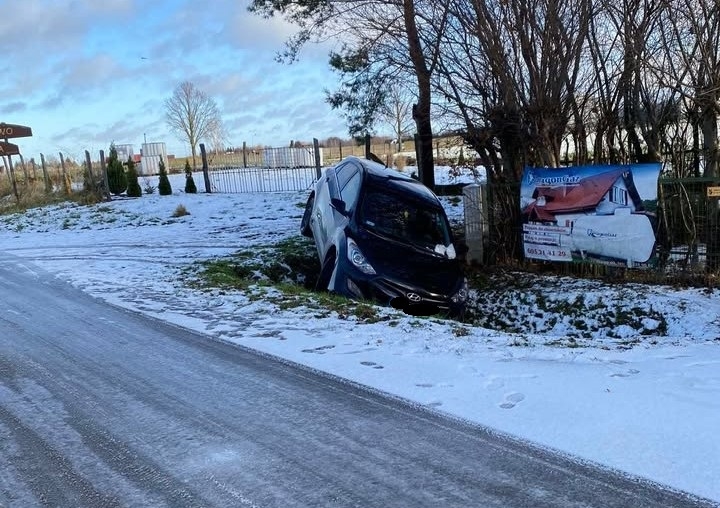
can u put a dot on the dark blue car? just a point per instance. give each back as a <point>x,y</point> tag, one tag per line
<point>383,236</point>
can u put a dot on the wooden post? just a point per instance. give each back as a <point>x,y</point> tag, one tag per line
<point>46,176</point>
<point>244,154</point>
<point>318,166</point>
<point>65,177</point>
<point>11,175</point>
<point>205,168</point>
<point>25,172</point>
<point>88,170</point>
<point>105,181</point>
<point>367,146</point>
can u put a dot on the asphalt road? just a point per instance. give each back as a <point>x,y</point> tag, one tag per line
<point>101,407</point>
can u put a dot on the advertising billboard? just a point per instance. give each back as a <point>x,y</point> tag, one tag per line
<point>599,213</point>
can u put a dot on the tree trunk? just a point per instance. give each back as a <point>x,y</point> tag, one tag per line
<point>709,127</point>
<point>421,110</point>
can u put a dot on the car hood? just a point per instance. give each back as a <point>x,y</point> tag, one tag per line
<point>411,266</point>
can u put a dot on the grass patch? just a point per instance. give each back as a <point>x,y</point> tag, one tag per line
<point>284,274</point>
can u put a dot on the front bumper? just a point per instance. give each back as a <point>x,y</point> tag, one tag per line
<point>410,299</point>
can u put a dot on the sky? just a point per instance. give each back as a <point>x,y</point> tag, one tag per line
<point>641,399</point>
<point>84,74</point>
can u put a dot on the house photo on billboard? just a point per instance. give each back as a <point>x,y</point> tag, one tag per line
<point>603,214</point>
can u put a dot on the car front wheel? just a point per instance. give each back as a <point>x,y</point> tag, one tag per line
<point>328,267</point>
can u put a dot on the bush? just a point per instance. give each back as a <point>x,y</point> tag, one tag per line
<point>190,186</point>
<point>117,180</point>
<point>133,187</point>
<point>164,187</point>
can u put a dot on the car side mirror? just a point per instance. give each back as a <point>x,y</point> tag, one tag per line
<point>339,205</point>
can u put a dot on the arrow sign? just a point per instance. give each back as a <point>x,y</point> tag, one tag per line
<point>9,130</point>
<point>9,149</point>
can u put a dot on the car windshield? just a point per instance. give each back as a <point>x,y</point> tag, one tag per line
<point>395,215</point>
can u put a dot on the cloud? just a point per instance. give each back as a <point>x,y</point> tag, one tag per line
<point>13,107</point>
<point>85,73</point>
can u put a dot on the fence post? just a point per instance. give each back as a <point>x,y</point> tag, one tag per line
<point>367,146</point>
<point>105,181</point>
<point>318,167</point>
<point>46,176</point>
<point>65,177</point>
<point>205,168</point>
<point>25,172</point>
<point>11,174</point>
<point>90,184</point>
<point>244,154</point>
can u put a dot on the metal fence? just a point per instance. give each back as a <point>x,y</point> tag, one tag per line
<point>266,170</point>
<point>257,179</point>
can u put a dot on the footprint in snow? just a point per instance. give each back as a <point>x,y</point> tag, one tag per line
<point>511,400</point>
<point>494,383</point>
<point>372,364</point>
<point>318,350</point>
<point>628,373</point>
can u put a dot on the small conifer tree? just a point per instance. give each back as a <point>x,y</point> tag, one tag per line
<point>190,187</point>
<point>164,187</point>
<point>133,186</point>
<point>117,180</point>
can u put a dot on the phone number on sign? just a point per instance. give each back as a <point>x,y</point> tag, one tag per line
<point>545,252</point>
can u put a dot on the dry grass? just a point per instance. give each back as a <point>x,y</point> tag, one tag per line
<point>180,211</point>
<point>30,191</point>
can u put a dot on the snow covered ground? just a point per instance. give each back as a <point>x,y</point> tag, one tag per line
<point>644,399</point>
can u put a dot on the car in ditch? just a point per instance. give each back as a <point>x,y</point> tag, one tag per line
<point>384,236</point>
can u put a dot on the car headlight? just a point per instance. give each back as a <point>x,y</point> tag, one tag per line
<point>462,293</point>
<point>357,258</point>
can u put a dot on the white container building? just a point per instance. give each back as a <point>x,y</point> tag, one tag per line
<point>124,152</point>
<point>151,155</point>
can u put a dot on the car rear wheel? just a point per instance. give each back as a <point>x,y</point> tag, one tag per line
<point>305,222</point>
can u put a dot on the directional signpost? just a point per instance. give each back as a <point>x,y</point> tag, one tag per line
<point>8,131</point>
<point>8,149</point>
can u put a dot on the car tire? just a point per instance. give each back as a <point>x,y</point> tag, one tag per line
<point>305,222</point>
<point>326,272</point>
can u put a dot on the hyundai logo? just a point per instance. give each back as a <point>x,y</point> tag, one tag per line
<point>413,297</point>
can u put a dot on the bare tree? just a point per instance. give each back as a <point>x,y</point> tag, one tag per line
<point>397,112</point>
<point>218,137</point>
<point>693,46</point>
<point>511,69</point>
<point>192,115</point>
<point>382,41</point>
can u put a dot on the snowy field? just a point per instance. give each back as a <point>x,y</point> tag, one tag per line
<point>647,404</point>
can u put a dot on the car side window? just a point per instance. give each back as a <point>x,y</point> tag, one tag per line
<point>351,191</point>
<point>344,173</point>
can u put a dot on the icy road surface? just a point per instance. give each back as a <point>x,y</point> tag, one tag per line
<point>104,407</point>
